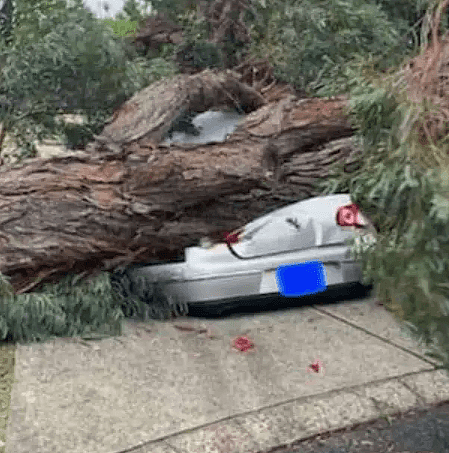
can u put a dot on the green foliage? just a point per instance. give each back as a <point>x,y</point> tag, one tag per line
<point>195,27</point>
<point>317,40</point>
<point>122,28</point>
<point>142,299</point>
<point>135,11</point>
<point>132,10</point>
<point>8,20</point>
<point>175,8</point>
<point>200,55</point>
<point>404,9</point>
<point>404,186</point>
<point>139,73</point>
<point>80,66</point>
<point>196,51</point>
<point>142,72</point>
<point>38,18</point>
<point>315,44</point>
<point>88,308</point>
<point>410,264</point>
<point>77,136</point>
<point>77,63</point>
<point>72,307</point>
<point>266,36</point>
<point>404,13</point>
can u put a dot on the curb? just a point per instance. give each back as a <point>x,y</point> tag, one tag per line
<point>292,421</point>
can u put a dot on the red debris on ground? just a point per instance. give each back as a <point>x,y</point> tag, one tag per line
<point>315,366</point>
<point>243,344</point>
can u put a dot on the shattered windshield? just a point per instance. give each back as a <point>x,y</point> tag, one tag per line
<point>207,127</point>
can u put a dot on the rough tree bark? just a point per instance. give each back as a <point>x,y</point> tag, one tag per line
<point>130,198</point>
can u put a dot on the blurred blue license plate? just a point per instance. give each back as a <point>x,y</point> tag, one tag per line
<point>300,279</point>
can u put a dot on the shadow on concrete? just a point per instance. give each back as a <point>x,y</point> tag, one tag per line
<point>274,303</point>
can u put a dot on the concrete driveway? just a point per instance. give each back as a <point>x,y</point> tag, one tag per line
<point>180,386</point>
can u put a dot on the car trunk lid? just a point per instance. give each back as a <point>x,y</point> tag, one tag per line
<point>306,224</point>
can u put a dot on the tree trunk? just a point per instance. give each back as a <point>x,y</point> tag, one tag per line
<point>132,199</point>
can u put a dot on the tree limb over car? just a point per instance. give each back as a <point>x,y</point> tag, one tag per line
<point>132,199</point>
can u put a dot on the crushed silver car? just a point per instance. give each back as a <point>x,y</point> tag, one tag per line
<point>309,241</point>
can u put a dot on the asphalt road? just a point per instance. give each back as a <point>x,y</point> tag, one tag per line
<point>426,430</point>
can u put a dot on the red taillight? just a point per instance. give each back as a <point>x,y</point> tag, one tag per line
<point>231,238</point>
<point>349,215</point>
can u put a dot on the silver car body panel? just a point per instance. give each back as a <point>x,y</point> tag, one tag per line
<point>301,232</point>
<point>302,225</point>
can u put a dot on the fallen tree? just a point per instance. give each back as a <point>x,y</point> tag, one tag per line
<point>129,198</point>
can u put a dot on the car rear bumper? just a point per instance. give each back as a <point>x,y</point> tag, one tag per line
<point>249,284</point>
<point>346,291</point>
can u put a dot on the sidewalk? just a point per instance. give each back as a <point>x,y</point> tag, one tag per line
<point>163,388</point>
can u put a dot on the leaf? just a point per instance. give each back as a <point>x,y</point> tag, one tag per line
<point>440,208</point>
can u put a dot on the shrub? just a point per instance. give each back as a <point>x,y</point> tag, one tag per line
<point>71,307</point>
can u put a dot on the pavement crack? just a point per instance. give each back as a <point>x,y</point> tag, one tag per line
<point>420,399</point>
<point>379,337</point>
<point>176,450</point>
